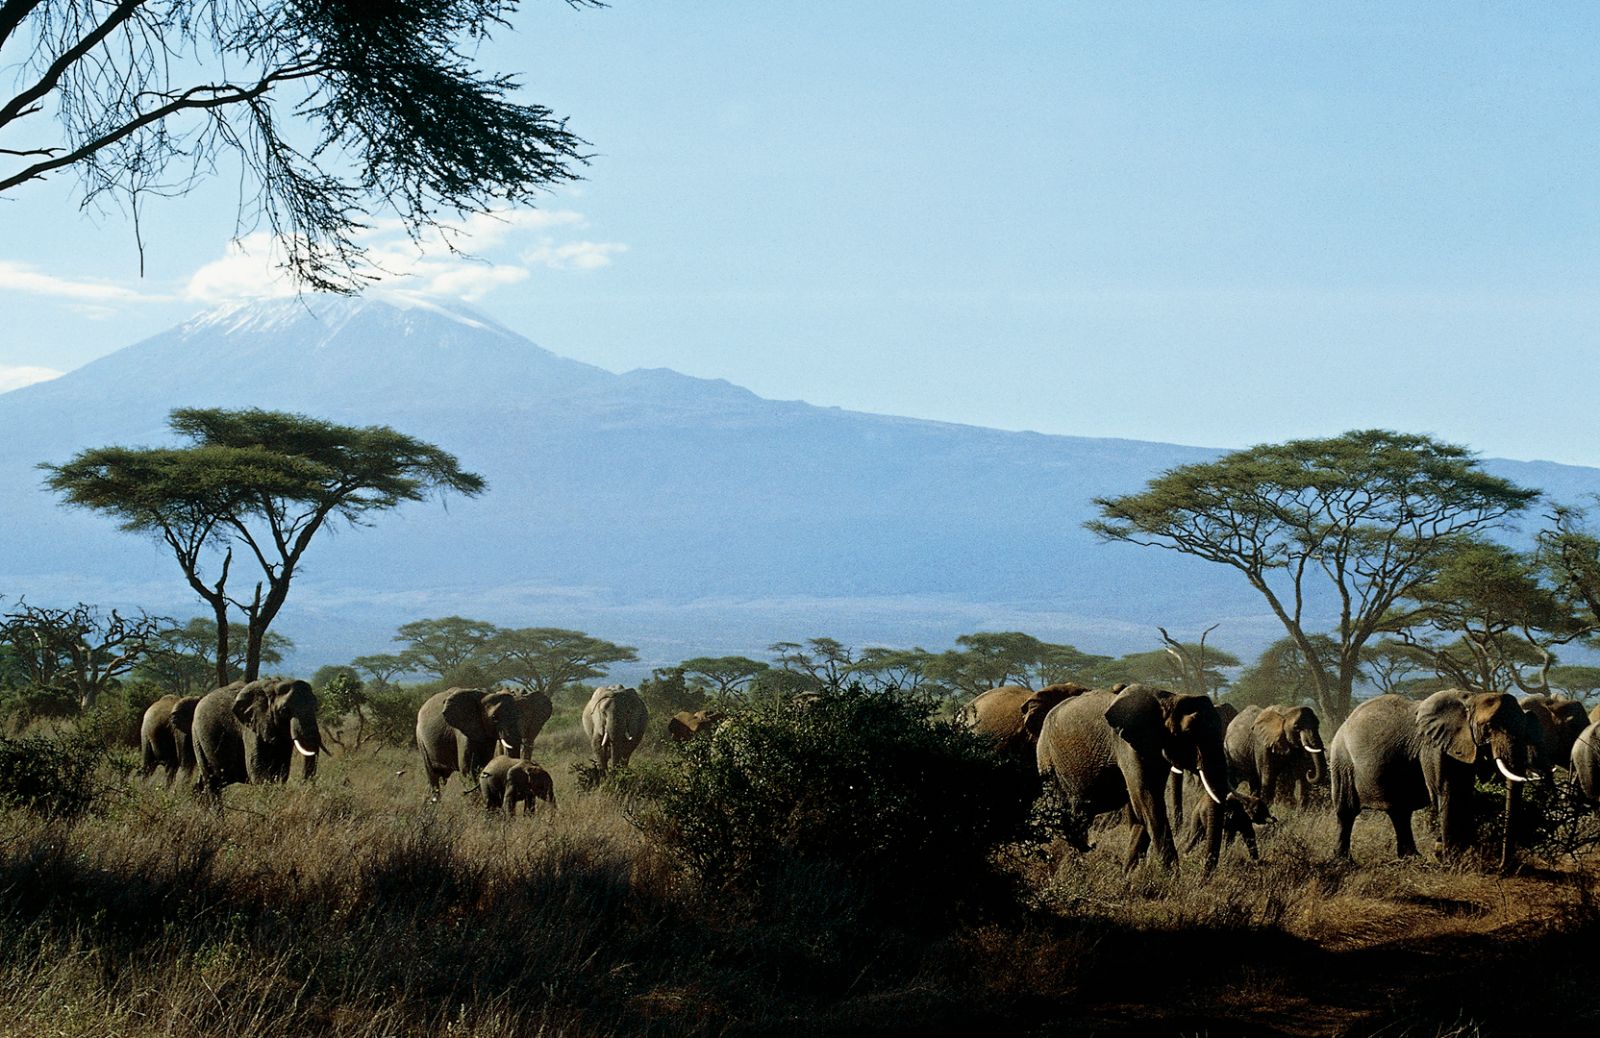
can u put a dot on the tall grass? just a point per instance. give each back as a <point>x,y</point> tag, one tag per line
<point>353,908</point>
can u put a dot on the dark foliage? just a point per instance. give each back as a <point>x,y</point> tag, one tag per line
<point>857,786</point>
<point>52,776</point>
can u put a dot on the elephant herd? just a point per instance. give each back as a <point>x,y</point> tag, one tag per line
<point>252,731</point>
<point>1128,747</point>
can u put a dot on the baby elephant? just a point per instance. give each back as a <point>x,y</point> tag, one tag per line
<point>1241,813</point>
<point>508,781</point>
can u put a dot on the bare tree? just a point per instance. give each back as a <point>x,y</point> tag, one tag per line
<point>331,111</point>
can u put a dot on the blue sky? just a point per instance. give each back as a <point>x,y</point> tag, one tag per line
<point>1208,223</point>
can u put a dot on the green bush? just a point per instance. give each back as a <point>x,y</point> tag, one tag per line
<point>55,776</point>
<point>392,714</point>
<point>847,781</point>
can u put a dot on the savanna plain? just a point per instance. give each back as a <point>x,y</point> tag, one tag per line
<point>352,906</point>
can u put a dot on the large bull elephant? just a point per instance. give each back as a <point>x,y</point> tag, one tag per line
<point>250,731</point>
<point>1396,755</point>
<point>1110,750</point>
<point>459,730</point>
<point>1276,750</point>
<point>165,736</point>
<point>614,719</point>
<point>1012,715</point>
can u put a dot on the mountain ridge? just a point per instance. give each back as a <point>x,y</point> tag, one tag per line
<point>680,514</point>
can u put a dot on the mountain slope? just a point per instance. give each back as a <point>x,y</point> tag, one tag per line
<point>682,515</point>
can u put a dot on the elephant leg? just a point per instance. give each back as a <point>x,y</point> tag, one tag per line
<point>1405,845</point>
<point>1347,821</point>
<point>1150,811</point>
<point>1248,834</point>
<point>1176,782</point>
<point>1138,842</point>
<point>172,773</point>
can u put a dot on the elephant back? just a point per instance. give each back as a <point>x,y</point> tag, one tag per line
<point>1239,744</point>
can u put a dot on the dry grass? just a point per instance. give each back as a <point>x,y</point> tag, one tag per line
<point>354,908</point>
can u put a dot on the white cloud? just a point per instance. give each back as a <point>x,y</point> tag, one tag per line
<point>456,260</point>
<point>574,255</point>
<point>249,270</point>
<point>15,376</point>
<point>18,277</point>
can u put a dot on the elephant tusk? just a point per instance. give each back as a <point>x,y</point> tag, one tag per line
<point>505,746</point>
<point>302,750</point>
<point>1177,771</point>
<point>1209,791</point>
<point>1510,775</point>
<point>1310,748</point>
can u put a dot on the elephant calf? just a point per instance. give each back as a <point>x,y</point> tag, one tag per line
<point>1241,813</point>
<point>509,782</point>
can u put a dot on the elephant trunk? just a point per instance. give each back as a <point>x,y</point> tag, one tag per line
<point>307,741</point>
<point>1313,747</point>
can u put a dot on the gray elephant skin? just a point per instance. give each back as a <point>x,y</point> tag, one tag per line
<point>459,730</point>
<point>534,710</point>
<point>614,719</point>
<point>1557,723</point>
<point>1109,750</point>
<point>1012,715</point>
<point>1584,762</point>
<point>1277,752</point>
<point>507,782</point>
<point>1241,813</point>
<point>1397,755</point>
<point>165,736</point>
<point>250,731</point>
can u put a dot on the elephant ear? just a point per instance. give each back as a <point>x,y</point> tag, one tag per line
<point>1503,711</point>
<point>463,711</point>
<point>1272,729</point>
<point>1443,723</point>
<point>252,706</point>
<point>1138,716</point>
<point>1034,709</point>
<point>183,714</point>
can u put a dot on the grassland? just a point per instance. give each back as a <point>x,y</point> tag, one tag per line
<point>353,907</point>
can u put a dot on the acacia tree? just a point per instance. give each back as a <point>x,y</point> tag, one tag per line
<point>1346,525</point>
<point>1487,620</point>
<point>548,659</point>
<point>331,111</point>
<point>1280,676</point>
<point>442,645</point>
<point>180,658</point>
<point>724,675</point>
<point>262,482</point>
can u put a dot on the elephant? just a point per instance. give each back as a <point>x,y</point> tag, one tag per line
<point>1584,762</point>
<point>459,729</point>
<point>685,724</point>
<point>534,709</point>
<point>1557,723</point>
<point>508,781</point>
<point>614,719</point>
<point>1012,714</point>
<point>1227,711</point>
<point>1107,750</point>
<point>1397,755</point>
<point>1241,813</point>
<point>165,736</point>
<point>250,731</point>
<point>1275,749</point>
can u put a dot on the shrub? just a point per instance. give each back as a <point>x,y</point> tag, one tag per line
<point>55,776</point>
<point>846,780</point>
<point>392,714</point>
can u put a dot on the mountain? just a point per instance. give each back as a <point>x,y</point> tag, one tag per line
<point>681,515</point>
